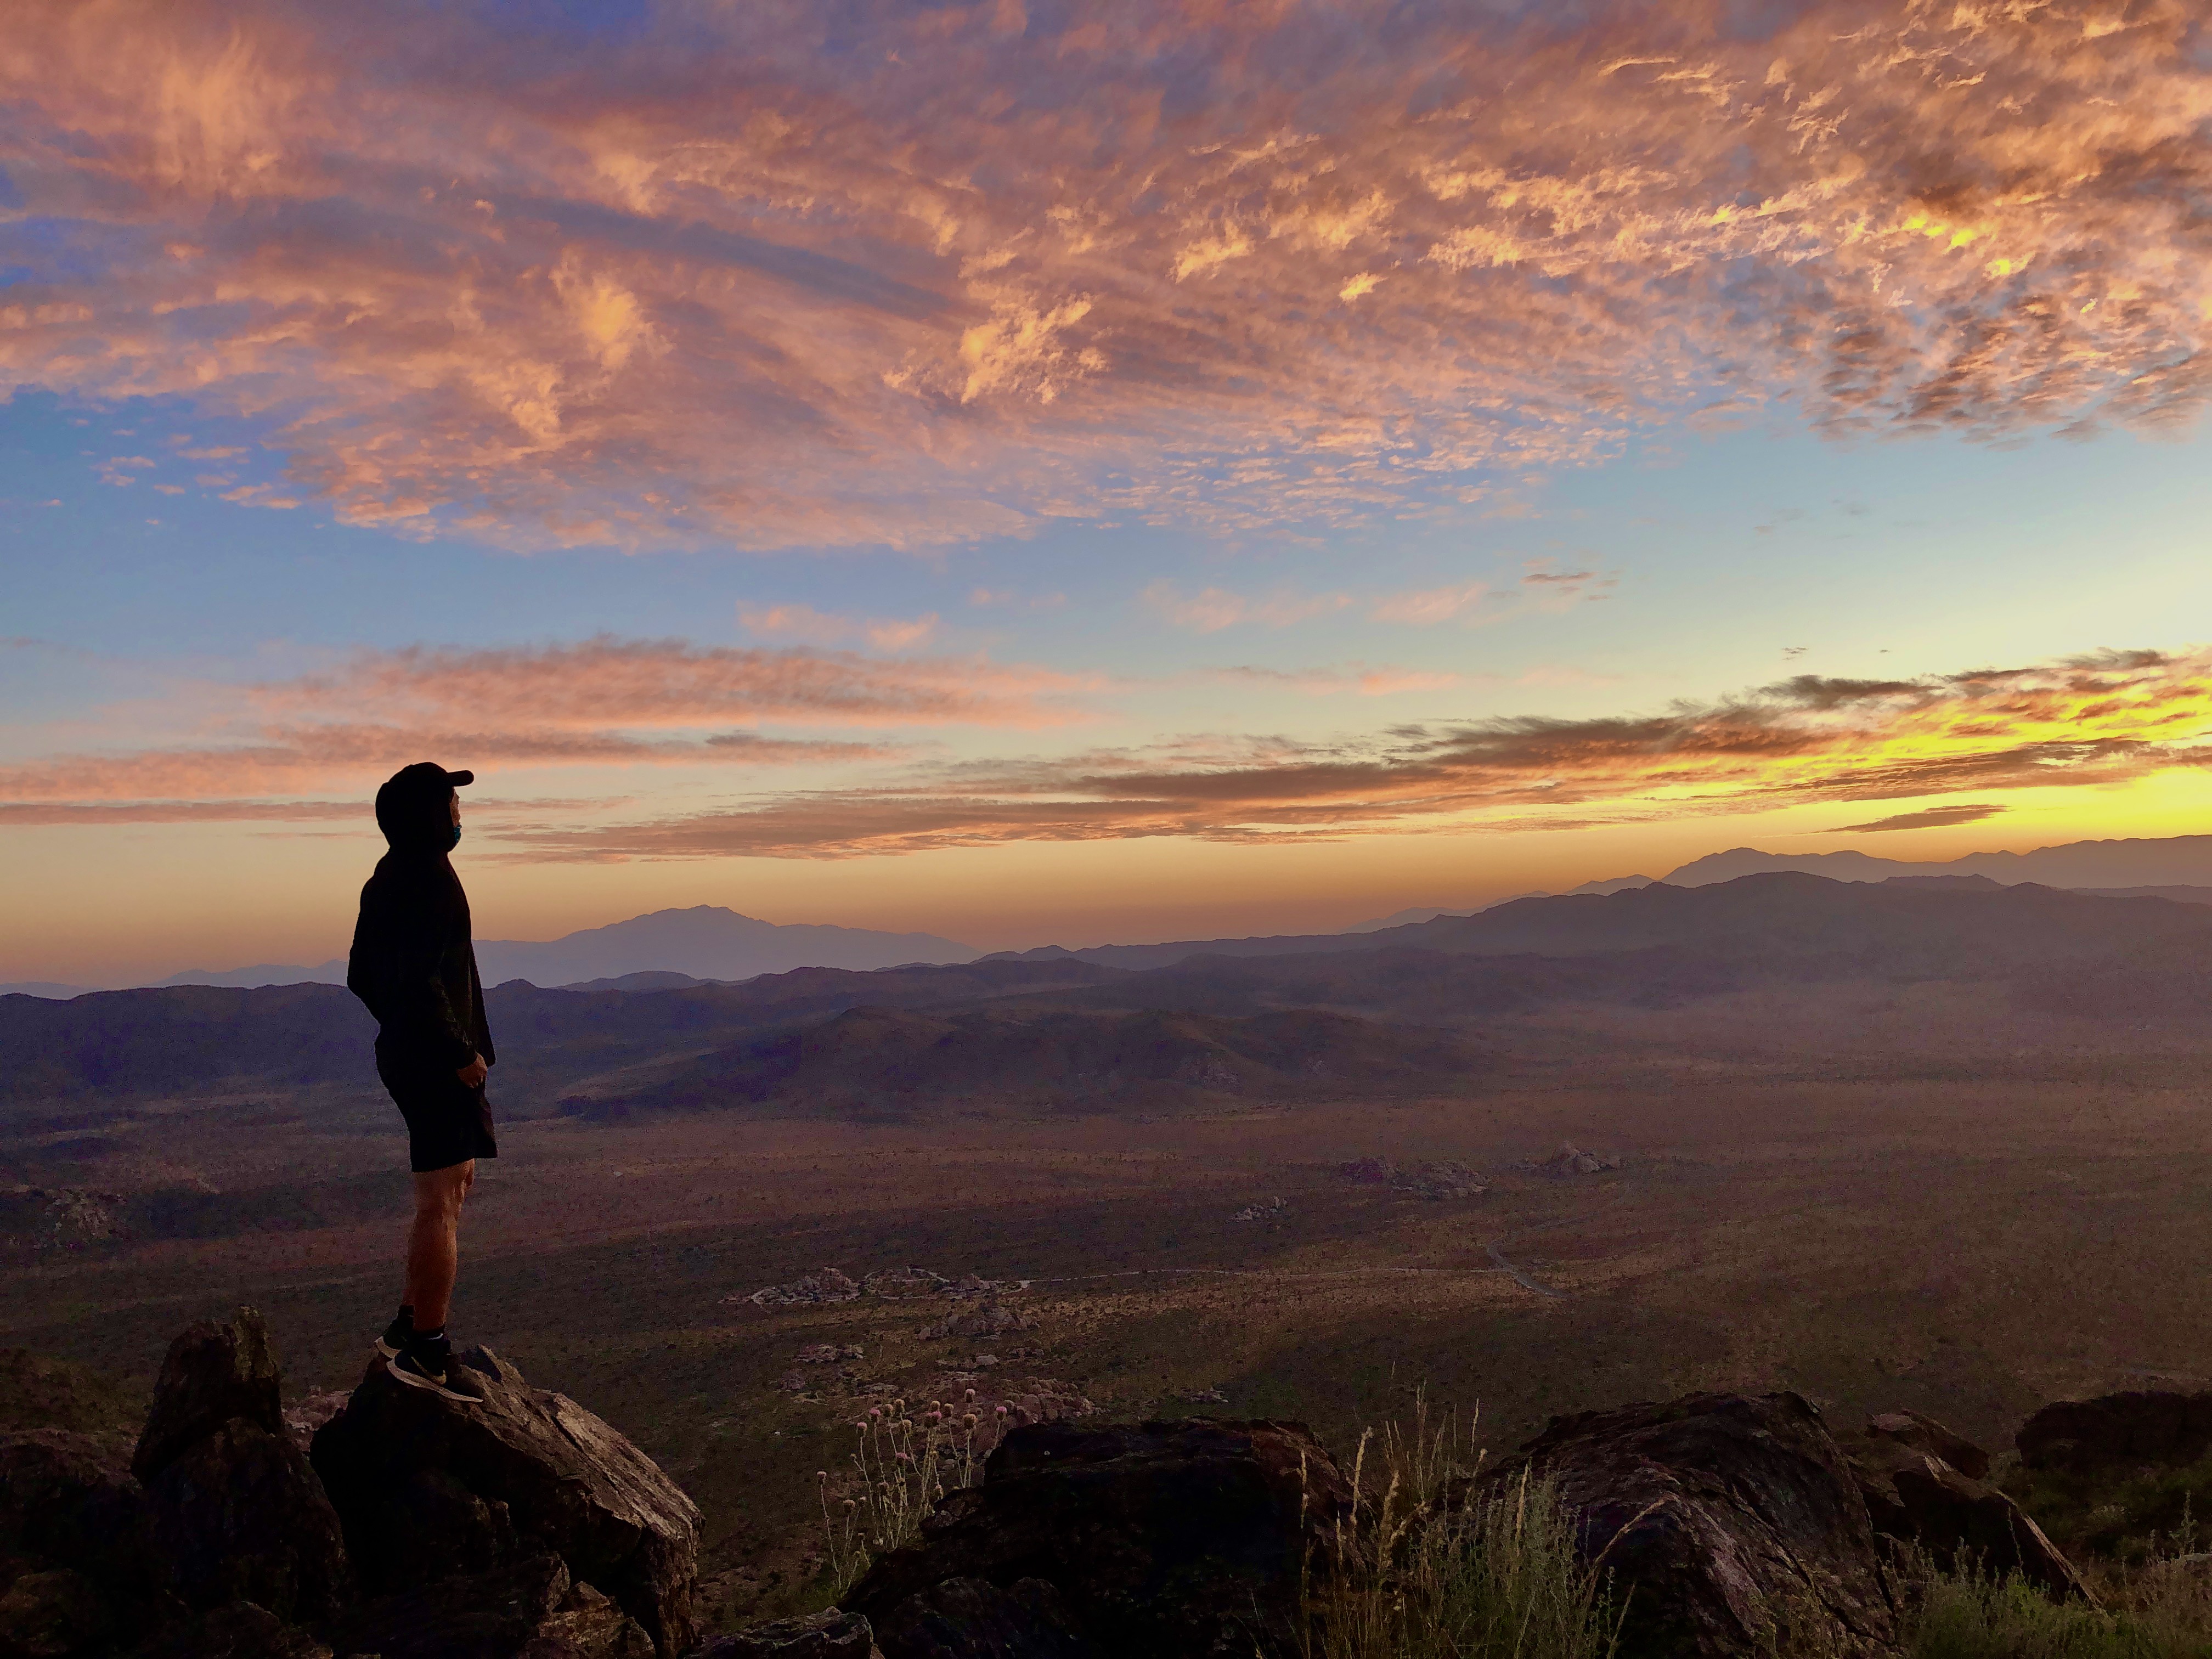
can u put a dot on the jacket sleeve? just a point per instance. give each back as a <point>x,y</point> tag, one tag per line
<point>398,953</point>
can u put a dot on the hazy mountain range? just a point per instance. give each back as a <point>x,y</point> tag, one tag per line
<point>1409,1012</point>
<point>705,942</point>
<point>670,948</point>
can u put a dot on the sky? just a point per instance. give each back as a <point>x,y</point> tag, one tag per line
<point>1068,474</point>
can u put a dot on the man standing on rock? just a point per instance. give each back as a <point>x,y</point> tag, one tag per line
<point>415,966</point>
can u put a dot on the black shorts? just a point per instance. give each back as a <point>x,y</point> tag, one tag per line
<point>447,1121</point>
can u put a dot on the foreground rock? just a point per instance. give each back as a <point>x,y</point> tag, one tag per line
<point>528,1609</point>
<point>213,1372</point>
<point>425,1487</point>
<point>1733,1524</point>
<point>1176,1540</point>
<point>2118,1434</point>
<point>236,1510</point>
<point>1920,1497</point>
<point>78,1540</point>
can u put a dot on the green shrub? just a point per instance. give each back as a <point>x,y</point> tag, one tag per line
<point>2162,1610</point>
<point>1434,1567</point>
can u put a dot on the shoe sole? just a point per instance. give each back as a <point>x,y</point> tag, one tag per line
<point>386,1349</point>
<point>416,1379</point>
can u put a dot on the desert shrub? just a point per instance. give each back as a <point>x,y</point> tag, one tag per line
<point>901,1464</point>
<point>2161,1609</point>
<point>2131,1519</point>
<point>1436,1566</point>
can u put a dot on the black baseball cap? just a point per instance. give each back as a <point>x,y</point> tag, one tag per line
<point>407,792</point>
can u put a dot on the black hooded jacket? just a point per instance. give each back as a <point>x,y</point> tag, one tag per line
<point>412,961</point>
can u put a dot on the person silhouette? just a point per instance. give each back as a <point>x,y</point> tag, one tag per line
<point>413,964</point>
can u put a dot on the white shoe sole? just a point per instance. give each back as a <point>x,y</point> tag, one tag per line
<point>414,1380</point>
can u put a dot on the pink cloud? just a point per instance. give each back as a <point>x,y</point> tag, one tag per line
<point>1212,608</point>
<point>1349,272</point>
<point>804,622</point>
<point>602,702</point>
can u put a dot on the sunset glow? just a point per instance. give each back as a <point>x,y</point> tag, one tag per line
<point>1371,455</point>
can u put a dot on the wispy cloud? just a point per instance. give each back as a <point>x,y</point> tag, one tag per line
<point>2085,722</point>
<point>804,623</point>
<point>1212,608</point>
<point>1357,269</point>
<point>1930,818</point>
<point>603,701</point>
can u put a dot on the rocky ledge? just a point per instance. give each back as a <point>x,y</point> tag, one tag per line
<point>388,1522</point>
<point>410,1530</point>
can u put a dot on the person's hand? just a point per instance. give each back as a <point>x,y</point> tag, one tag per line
<point>472,1074</point>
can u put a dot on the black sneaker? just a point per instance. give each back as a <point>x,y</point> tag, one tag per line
<point>429,1366</point>
<point>398,1334</point>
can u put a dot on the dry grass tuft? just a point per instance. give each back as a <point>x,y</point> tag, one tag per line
<point>1433,1567</point>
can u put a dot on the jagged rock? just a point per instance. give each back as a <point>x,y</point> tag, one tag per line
<point>2119,1431</point>
<point>1732,1525</point>
<point>1172,1539</point>
<point>901,1284</point>
<point>989,1320</point>
<point>1924,1434</point>
<point>565,1480</point>
<point>243,1516</point>
<point>212,1373</point>
<point>973,1618</point>
<point>828,1634</point>
<point>527,1609</point>
<point>240,1631</point>
<point>823,1285</point>
<point>53,1611</point>
<point>1917,1499</point>
<point>66,1505</point>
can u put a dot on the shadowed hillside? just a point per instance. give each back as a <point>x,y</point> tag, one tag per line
<point>884,1062</point>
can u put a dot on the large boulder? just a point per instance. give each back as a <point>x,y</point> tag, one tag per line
<point>1177,1541</point>
<point>1919,1498</point>
<point>2118,1434</point>
<point>77,1538</point>
<point>418,1481</point>
<point>243,1518</point>
<point>212,1373</point>
<point>529,1608</point>
<point>1731,1524</point>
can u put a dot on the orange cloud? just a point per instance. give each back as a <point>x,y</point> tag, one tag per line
<point>1345,271</point>
<point>2091,721</point>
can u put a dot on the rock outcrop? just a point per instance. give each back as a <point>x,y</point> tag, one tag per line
<point>212,1373</point>
<point>1732,1523</point>
<point>1922,1499</point>
<point>422,1484</point>
<point>2118,1432</point>
<point>1179,1540</point>
<point>236,1510</point>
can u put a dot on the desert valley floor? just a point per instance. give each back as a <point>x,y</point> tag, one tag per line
<point>1850,1199</point>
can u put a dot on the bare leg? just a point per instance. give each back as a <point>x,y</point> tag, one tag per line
<point>434,1243</point>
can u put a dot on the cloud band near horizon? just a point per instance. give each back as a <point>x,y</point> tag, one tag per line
<point>2103,720</point>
